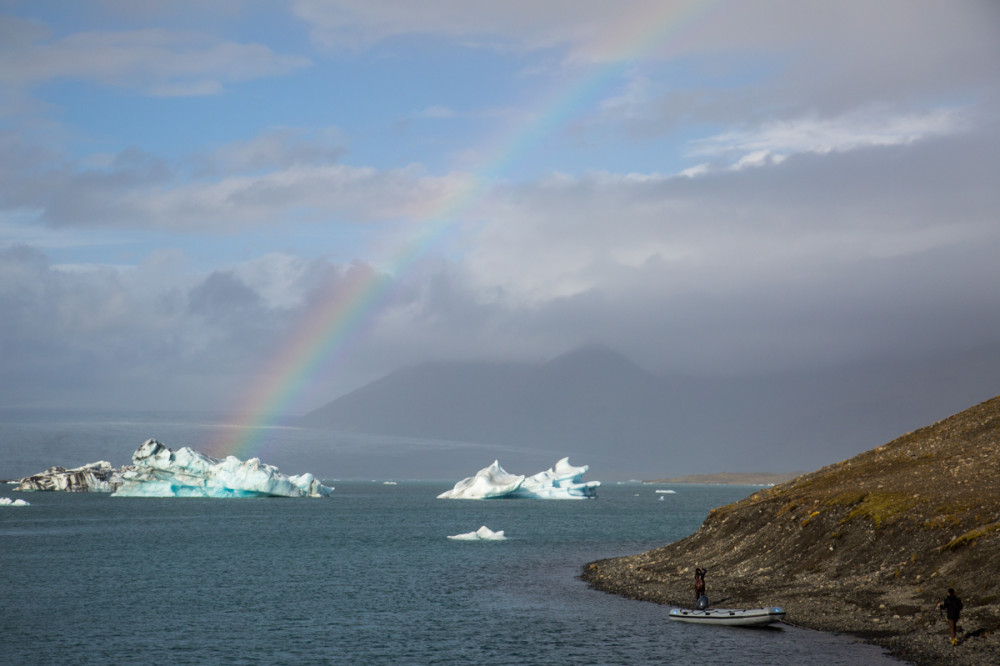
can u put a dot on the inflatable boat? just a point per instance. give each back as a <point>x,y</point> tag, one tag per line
<point>741,617</point>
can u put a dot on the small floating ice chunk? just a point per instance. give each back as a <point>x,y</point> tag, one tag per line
<point>482,534</point>
<point>667,492</point>
<point>6,501</point>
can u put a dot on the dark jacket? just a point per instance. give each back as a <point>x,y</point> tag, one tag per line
<point>952,606</point>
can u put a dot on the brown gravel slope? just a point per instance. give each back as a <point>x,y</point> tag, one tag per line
<point>866,546</point>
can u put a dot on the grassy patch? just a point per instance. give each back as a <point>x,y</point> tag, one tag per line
<point>954,507</point>
<point>849,498</point>
<point>971,537</point>
<point>788,507</point>
<point>881,508</point>
<point>942,521</point>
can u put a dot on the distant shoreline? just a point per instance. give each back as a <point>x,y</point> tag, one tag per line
<point>733,478</point>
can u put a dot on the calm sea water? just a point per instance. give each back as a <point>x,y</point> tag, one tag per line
<point>366,577</point>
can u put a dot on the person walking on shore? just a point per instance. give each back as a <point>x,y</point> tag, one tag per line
<point>952,606</point>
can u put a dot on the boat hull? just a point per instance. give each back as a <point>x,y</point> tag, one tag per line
<point>735,617</point>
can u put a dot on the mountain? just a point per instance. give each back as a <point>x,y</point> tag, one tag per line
<point>601,409</point>
<point>589,393</point>
<point>867,546</point>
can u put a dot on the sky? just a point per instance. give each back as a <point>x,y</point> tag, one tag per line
<point>260,206</point>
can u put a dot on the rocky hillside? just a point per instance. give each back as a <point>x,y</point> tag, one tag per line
<point>866,546</point>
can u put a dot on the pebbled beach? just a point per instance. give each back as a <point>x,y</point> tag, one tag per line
<point>867,546</point>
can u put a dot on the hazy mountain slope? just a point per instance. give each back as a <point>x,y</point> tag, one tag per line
<point>600,408</point>
<point>590,394</point>
<point>437,400</point>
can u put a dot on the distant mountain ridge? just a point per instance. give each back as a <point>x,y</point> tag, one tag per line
<point>600,408</point>
<point>508,403</point>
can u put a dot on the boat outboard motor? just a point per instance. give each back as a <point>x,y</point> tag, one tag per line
<point>702,603</point>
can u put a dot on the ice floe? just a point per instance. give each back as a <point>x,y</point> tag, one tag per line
<point>6,501</point>
<point>95,477</point>
<point>559,482</point>
<point>482,534</point>
<point>158,471</point>
<point>489,482</point>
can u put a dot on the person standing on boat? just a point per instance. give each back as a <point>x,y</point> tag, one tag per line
<point>952,606</point>
<point>699,583</point>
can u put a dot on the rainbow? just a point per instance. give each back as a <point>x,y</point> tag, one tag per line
<point>329,331</point>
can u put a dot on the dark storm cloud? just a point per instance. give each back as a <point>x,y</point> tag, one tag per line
<point>223,293</point>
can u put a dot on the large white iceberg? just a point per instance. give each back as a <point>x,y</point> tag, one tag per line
<point>559,482</point>
<point>488,483</point>
<point>95,477</point>
<point>482,534</point>
<point>157,471</point>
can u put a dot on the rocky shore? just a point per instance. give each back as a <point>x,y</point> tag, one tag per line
<point>867,546</point>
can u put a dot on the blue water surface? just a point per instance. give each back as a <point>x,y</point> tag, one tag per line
<point>366,577</point>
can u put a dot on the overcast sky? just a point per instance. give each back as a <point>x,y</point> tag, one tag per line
<point>703,186</point>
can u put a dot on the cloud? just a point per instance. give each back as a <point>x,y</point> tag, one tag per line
<point>275,148</point>
<point>814,211</point>
<point>894,33</point>
<point>151,334</point>
<point>222,293</point>
<point>350,24</point>
<point>837,200</point>
<point>776,140</point>
<point>156,61</point>
<point>822,257</point>
<point>274,179</point>
<point>436,111</point>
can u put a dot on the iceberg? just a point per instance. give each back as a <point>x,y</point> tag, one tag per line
<point>482,534</point>
<point>96,477</point>
<point>6,501</point>
<point>488,483</point>
<point>559,482</point>
<point>158,471</point>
